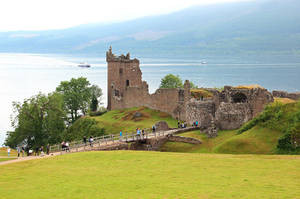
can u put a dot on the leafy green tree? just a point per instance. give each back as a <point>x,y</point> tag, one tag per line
<point>38,121</point>
<point>171,81</point>
<point>77,96</point>
<point>96,97</point>
<point>84,126</point>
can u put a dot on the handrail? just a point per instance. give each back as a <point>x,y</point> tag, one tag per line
<point>110,139</point>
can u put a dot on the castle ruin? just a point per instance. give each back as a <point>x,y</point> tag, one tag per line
<point>227,109</point>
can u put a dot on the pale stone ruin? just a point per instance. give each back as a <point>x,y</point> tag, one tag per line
<point>226,109</point>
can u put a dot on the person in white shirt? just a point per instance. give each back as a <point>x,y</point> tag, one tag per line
<point>8,151</point>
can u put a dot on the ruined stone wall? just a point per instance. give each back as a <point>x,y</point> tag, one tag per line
<point>284,94</point>
<point>201,111</point>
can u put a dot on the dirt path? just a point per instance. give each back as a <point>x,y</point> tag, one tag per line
<point>21,159</point>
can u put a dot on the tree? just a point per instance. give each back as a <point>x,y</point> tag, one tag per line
<point>171,81</point>
<point>39,120</point>
<point>96,97</point>
<point>77,96</point>
<point>194,86</point>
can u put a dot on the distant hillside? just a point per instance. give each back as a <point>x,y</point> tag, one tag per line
<point>269,27</point>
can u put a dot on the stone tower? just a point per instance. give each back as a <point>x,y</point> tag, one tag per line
<point>122,73</point>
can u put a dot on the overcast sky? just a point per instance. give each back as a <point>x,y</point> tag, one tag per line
<point>56,14</point>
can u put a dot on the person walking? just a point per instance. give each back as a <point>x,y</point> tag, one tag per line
<point>67,147</point>
<point>19,151</point>
<point>8,151</point>
<point>23,151</point>
<point>48,149</point>
<point>42,151</point>
<point>91,141</point>
<point>84,140</point>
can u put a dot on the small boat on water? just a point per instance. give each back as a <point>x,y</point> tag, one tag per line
<point>203,62</point>
<point>84,65</point>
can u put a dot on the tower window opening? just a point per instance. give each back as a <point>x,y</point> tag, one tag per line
<point>127,82</point>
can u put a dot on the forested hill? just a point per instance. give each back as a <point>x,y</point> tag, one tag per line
<point>241,28</point>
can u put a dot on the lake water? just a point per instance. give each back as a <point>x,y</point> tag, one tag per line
<point>24,75</point>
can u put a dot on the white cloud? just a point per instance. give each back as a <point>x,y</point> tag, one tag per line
<point>55,14</point>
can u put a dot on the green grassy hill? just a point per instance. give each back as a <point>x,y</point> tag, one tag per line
<point>259,136</point>
<point>136,174</point>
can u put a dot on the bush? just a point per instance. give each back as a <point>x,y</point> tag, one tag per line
<point>97,113</point>
<point>84,127</point>
<point>268,118</point>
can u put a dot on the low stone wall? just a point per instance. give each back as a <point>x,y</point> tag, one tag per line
<point>284,94</point>
<point>117,146</point>
<point>189,140</point>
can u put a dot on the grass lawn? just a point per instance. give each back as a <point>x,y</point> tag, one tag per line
<point>136,174</point>
<point>116,120</point>
<point>5,159</point>
<point>257,140</point>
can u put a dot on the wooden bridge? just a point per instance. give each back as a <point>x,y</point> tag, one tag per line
<point>109,141</point>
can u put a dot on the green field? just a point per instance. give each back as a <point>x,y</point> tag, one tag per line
<point>132,174</point>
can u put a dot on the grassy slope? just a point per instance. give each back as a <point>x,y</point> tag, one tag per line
<point>133,174</point>
<point>116,120</point>
<point>257,140</point>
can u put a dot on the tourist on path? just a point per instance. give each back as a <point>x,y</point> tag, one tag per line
<point>67,147</point>
<point>37,151</point>
<point>19,151</point>
<point>23,151</point>
<point>196,123</point>
<point>48,149</point>
<point>8,151</point>
<point>84,140</point>
<point>42,151</point>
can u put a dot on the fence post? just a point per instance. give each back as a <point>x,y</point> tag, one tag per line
<point>112,138</point>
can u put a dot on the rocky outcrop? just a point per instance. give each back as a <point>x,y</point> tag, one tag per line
<point>161,126</point>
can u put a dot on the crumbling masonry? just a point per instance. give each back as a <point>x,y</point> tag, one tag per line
<point>227,109</point>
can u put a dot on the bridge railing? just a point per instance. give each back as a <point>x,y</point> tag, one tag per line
<point>79,145</point>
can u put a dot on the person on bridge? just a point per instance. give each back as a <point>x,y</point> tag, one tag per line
<point>91,141</point>
<point>143,133</point>
<point>121,134</point>
<point>196,123</point>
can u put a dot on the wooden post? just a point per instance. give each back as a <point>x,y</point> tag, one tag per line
<point>112,137</point>
<point>126,137</point>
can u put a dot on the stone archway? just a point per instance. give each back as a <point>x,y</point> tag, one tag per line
<point>239,98</point>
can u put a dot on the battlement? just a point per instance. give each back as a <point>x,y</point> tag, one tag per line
<point>110,57</point>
